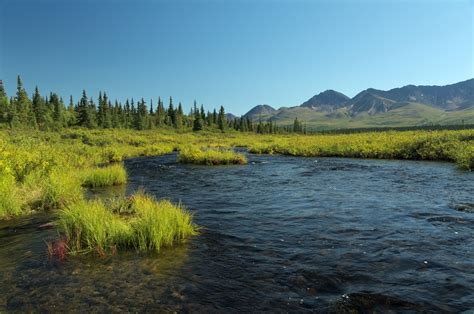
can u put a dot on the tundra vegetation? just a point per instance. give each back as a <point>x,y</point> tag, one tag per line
<point>50,153</point>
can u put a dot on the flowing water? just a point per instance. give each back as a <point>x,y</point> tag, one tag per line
<point>281,233</point>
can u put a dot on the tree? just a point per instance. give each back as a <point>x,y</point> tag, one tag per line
<point>221,119</point>
<point>160,113</point>
<point>297,126</point>
<point>179,116</point>
<point>39,109</point>
<point>23,106</point>
<point>4,104</point>
<point>197,123</point>
<point>58,107</point>
<point>171,113</point>
<point>71,118</point>
<point>12,115</point>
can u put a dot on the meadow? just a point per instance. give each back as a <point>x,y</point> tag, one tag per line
<point>51,170</point>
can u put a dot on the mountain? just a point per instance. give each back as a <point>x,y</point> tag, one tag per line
<point>449,97</point>
<point>328,100</point>
<point>371,103</point>
<point>263,112</point>
<point>230,116</point>
<point>404,106</point>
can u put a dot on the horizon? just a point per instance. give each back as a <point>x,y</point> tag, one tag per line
<point>225,54</point>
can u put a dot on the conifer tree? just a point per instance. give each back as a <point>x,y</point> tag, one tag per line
<point>221,119</point>
<point>39,109</point>
<point>160,113</point>
<point>12,115</point>
<point>179,116</point>
<point>4,104</point>
<point>83,117</point>
<point>171,113</point>
<point>214,117</point>
<point>197,124</point>
<point>26,116</point>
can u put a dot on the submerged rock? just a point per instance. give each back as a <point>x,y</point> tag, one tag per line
<point>464,207</point>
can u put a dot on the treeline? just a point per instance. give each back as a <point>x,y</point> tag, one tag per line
<point>51,112</point>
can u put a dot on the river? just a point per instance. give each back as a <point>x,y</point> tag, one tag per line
<point>281,234</point>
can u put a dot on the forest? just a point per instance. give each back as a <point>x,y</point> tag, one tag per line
<point>51,113</point>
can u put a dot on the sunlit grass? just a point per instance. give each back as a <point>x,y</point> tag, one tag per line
<point>208,156</point>
<point>60,189</point>
<point>107,176</point>
<point>47,170</point>
<point>10,200</point>
<point>139,222</point>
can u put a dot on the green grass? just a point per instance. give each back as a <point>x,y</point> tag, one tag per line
<point>10,200</point>
<point>139,222</point>
<point>60,189</point>
<point>107,176</point>
<point>210,156</point>
<point>48,170</point>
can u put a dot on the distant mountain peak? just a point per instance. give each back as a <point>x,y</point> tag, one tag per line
<point>329,100</point>
<point>400,103</point>
<point>260,111</point>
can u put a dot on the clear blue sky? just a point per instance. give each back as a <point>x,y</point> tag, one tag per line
<point>233,53</point>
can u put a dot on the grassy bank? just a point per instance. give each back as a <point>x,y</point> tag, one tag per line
<point>48,170</point>
<point>454,146</point>
<point>139,222</point>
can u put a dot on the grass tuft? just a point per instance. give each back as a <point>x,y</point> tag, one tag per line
<point>140,222</point>
<point>10,200</point>
<point>107,176</point>
<point>210,157</point>
<point>60,189</point>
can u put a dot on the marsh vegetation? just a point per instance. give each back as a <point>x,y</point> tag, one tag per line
<point>50,170</point>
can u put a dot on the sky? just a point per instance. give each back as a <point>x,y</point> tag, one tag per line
<point>235,53</point>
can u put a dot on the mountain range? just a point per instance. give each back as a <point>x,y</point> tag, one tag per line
<point>405,106</point>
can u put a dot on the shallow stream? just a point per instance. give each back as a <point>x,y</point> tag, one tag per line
<point>281,234</point>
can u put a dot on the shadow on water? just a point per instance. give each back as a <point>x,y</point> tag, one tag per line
<point>281,234</point>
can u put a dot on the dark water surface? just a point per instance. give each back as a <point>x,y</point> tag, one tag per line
<point>281,234</point>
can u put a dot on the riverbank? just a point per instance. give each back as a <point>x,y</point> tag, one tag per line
<point>49,170</point>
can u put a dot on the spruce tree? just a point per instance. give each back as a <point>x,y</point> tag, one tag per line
<point>23,106</point>
<point>197,124</point>
<point>4,104</point>
<point>160,113</point>
<point>82,110</point>
<point>171,113</point>
<point>221,119</point>
<point>179,116</point>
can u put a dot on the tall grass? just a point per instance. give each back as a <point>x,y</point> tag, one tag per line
<point>208,156</point>
<point>45,170</point>
<point>107,176</point>
<point>140,222</point>
<point>60,189</point>
<point>159,223</point>
<point>10,200</point>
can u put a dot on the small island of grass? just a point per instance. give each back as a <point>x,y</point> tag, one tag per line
<point>210,156</point>
<point>139,222</point>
